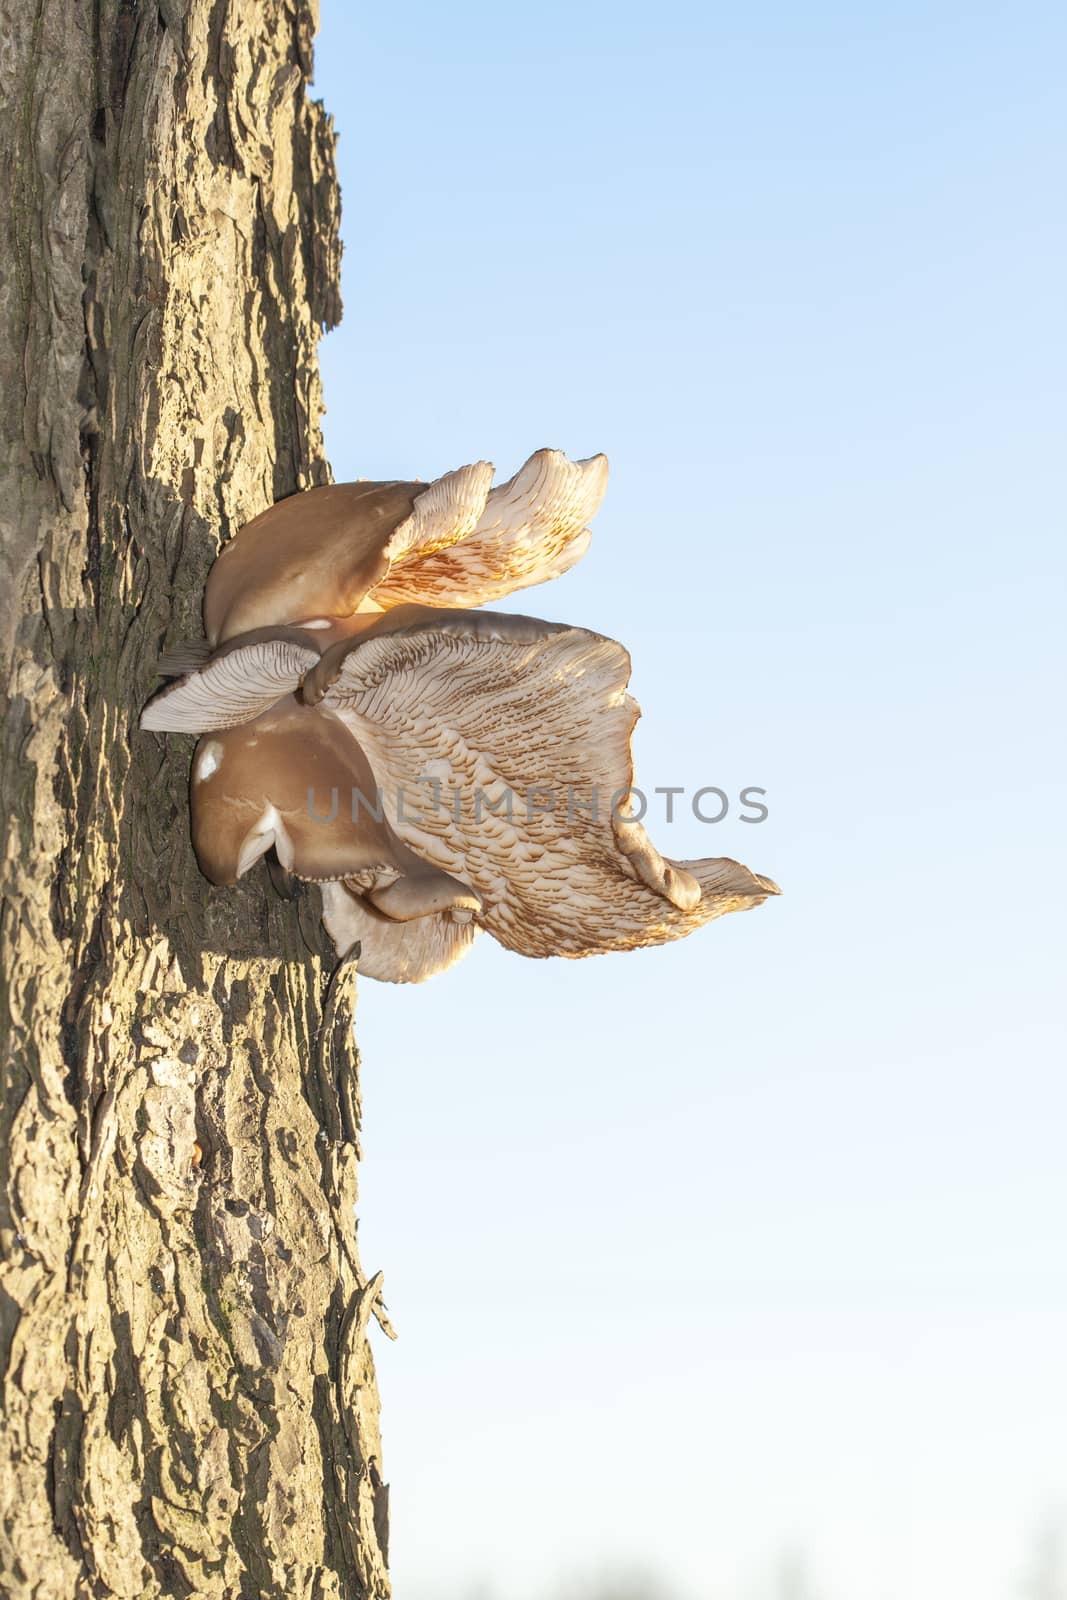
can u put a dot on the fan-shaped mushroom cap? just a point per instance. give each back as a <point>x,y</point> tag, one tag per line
<point>485,626</point>
<point>237,682</point>
<point>314,557</point>
<point>318,559</point>
<point>296,780</point>
<point>502,746</point>
<point>244,677</point>
<point>533,528</point>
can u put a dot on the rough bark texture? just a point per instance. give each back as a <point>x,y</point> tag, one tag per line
<point>188,1392</point>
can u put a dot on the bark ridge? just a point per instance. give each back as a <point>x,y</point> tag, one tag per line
<point>188,1389</point>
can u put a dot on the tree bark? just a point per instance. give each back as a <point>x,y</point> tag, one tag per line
<point>189,1397</point>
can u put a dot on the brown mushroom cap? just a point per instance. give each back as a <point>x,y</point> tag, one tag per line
<point>340,650</point>
<point>295,780</point>
<point>315,556</point>
<point>471,721</point>
<point>319,558</point>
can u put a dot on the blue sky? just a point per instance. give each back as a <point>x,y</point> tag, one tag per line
<point>752,1244</point>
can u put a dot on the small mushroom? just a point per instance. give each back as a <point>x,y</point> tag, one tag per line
<point>395,952</point>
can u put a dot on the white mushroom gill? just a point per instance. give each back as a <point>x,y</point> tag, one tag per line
<point>491,752</point>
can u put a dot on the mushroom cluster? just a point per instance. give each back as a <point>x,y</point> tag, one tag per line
<point>433,768</point>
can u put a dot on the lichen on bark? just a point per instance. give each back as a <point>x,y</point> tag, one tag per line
<point>188,1391</point>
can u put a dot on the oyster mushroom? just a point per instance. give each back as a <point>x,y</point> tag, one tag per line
<point>498,750</point>
<point>502,749</point>
<point>343,660</point>
<point>292,780</point>
<point>322,559</point>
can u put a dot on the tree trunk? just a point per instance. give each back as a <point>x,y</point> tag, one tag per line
<point>189,1397</point>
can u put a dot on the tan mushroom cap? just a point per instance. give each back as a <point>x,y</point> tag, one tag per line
<point>319,559</point>
<point>503,745</point>
<point>315,556</point>
<point>429,621</point>
<point>295,780</point>
<point>312,555</point>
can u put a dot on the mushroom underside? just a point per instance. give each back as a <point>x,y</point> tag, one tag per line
<point>393,952</point>
<point>316,558</point>
<point>462,766</point>
<point>433,768</point>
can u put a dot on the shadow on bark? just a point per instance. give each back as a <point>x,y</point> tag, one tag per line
<point>189,1397</point>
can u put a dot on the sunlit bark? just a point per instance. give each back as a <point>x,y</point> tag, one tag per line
<point>188,1393</point>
